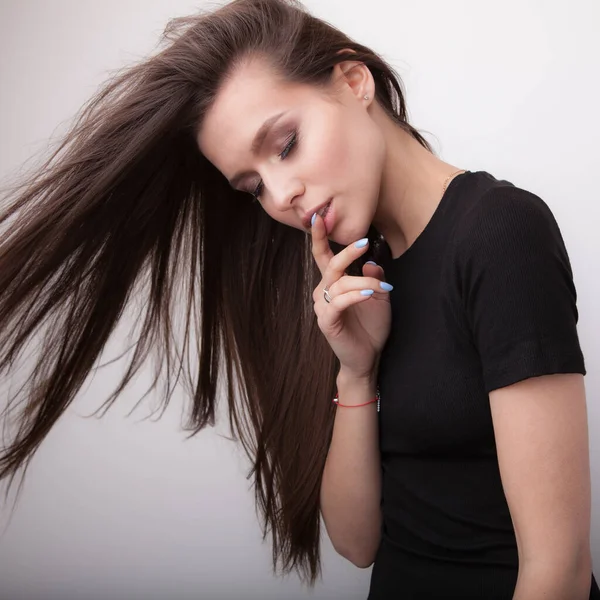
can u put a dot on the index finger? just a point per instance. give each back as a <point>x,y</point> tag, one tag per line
<point>321,250</point>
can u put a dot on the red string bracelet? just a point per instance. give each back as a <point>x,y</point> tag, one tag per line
<point>377,399</point>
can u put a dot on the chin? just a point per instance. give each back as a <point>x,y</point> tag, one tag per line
<point>347,236</point>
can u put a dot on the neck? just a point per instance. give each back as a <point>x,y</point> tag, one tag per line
<point>411,189</point>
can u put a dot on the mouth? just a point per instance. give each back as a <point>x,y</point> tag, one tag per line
<point>322,212</point>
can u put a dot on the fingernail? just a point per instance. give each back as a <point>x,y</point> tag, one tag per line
<point>367,292</point>
<point>370,262</point>
<point>362,243</point>
<point>386,286</point>
<point>314,218</point>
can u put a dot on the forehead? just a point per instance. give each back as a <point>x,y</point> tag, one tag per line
<point>250,95</point>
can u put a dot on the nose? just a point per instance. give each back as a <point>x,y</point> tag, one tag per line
<point>283,189</point>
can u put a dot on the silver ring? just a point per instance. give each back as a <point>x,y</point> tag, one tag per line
<point>326,295</point>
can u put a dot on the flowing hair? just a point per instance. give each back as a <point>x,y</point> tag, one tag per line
<point>127,208</point>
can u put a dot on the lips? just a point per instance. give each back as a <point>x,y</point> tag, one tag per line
<point>322,211</point>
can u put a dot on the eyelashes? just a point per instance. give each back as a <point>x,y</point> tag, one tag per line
<point>289,146</point>
<point>257,191</point>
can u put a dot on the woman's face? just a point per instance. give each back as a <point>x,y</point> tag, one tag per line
<point>299,148</point>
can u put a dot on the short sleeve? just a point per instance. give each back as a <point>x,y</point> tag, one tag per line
<point>517,288</point>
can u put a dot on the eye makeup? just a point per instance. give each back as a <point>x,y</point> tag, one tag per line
<point>290,144</point>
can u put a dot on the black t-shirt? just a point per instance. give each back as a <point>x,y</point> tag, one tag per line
<point>483,298</point>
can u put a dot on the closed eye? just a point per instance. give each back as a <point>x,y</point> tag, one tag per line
<point>291,143</point>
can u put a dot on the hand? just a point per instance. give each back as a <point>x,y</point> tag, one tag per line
<point>355,325</point>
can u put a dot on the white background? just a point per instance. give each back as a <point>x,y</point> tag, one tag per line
<point>124,508</point>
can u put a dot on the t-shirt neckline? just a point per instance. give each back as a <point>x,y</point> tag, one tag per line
<point>434,218</point>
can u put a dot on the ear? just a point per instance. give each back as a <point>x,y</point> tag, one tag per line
<point>358,77</point>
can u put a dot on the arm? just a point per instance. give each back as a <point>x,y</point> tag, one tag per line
<point>541,433</point>
<point>520,300</point>
<point>351,484</point>
<point>356,327</point>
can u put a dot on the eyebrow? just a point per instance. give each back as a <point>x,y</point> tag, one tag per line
<point>257,143</point>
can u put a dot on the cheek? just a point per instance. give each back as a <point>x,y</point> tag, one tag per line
<point>341,158</point>
<point>331,156</point>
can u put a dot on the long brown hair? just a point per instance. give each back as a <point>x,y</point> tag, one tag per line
<point>127,207</point>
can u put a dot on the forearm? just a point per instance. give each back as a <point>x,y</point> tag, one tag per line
<point>351,483</point>
<point>553,582</point>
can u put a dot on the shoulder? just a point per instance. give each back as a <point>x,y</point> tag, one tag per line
<point>515,286</point>
<point>507,221</point>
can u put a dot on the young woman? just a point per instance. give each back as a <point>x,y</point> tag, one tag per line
<point>258,177</point>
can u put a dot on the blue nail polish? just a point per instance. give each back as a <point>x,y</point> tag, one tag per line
<point>314,218</point>
<point>367,292</point>
<point>386,286</point>
<point>370,262</point>
<point>362,243</point>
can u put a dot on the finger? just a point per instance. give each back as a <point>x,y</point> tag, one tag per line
<point>340,262</point>
<point>321,249</point>
<point>348,283</point>
<point>340,303</point>
<point>371,269</point>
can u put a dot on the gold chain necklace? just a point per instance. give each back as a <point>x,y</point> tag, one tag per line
<point>450,177</point>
